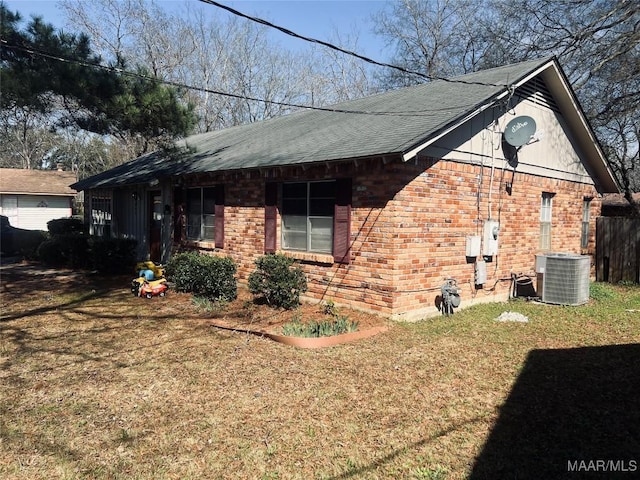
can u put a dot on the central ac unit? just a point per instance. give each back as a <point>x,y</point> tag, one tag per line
<point>566,278</point>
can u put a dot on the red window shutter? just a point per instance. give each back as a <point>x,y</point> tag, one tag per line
<point>342,222</point>
<point>270,217</point>
<point>219,217</point>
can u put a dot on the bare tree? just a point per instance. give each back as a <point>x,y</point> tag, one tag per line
<point>339,77</point>
<point>26,138</point>
<point>193,46</point>
<point>436,37</point>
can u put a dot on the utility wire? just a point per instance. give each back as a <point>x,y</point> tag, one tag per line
<point>339,49</point>
<point>32,51</point>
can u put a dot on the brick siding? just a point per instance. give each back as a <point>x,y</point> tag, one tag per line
<point>409,226</point>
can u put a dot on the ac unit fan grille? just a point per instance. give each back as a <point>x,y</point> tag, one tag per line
<point>566,279</point>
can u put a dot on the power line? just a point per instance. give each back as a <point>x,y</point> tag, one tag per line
<point>342,50</point>
<point>32,51</point>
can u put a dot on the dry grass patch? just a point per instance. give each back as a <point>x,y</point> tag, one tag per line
<point>98,384</point>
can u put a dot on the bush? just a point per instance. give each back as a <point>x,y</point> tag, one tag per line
<point>70,250</point>
<point>106,255</point>
<point>18,241</point>
<point>277,282</point>
<point>204,275</point>
<point>63,226</point>
<point>112,255</point>
<point>27,242</point>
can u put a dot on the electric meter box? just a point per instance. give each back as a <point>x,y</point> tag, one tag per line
<point>491,232</point>
<point>473,246</point>
<point>480,273</point>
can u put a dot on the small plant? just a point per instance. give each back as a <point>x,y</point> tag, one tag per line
<point>424,473</point>
<point>600,291</point>
<point>209,305</point>
<point>125,436</point>
<point>329,308</point>
<point>317,329</point>
<point>295,328</point>
<point>344,325</point>
<point>277,281</point>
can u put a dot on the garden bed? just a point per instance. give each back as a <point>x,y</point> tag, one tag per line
<point>245,315</point>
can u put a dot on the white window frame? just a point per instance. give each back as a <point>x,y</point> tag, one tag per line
<point>546,217</point>
<point>586,217</point>
<point>205,228</point>
<point>318,241</point>
<point>101,213</point>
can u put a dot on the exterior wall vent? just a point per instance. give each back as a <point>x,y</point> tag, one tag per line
<point>566,279</point>
<point>536,91</point>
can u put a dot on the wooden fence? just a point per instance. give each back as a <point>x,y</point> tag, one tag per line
<point>617,249</point>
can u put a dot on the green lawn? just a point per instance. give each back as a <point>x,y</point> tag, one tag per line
<point>102,385</point>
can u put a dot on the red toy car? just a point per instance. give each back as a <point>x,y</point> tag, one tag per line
<point>143,288</point>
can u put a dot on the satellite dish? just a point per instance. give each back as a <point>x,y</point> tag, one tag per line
<point>519,130</point>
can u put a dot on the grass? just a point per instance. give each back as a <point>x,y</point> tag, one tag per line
<point>102,385</point>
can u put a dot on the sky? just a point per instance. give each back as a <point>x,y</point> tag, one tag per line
<point>320,19</point>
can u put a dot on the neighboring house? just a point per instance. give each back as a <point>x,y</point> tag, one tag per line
<point>384,198</point>
<point>615,205</point>
<point>30,198</point>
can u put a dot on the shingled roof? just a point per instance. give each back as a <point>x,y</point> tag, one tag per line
<point>20,181</point>
<point>390,124</point>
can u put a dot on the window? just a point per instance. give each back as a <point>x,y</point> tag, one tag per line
<point>315,217</point>
<point>201,210</point>
<point>586,216</point>
<point>308,216</point>
<point>545,221</point>
<point>101,213</point>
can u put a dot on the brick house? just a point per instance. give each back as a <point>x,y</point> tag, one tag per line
<point>383,198</point>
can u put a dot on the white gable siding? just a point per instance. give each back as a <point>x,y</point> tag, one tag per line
<point>478,141</point>
<point>34,211</point>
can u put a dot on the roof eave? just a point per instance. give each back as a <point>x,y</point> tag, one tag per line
<point>40,194</point>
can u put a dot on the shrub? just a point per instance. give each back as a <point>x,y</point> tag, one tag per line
<point>63,226</point>
<point>27,242</point>
<point>204,276</point>
<point>112,255</point>
<point>106,255</point>
<point>182,270</point>
<point>70,250</point>
<point>277,281</point>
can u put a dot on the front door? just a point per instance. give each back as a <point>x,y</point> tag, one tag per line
<point>155,227</point>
